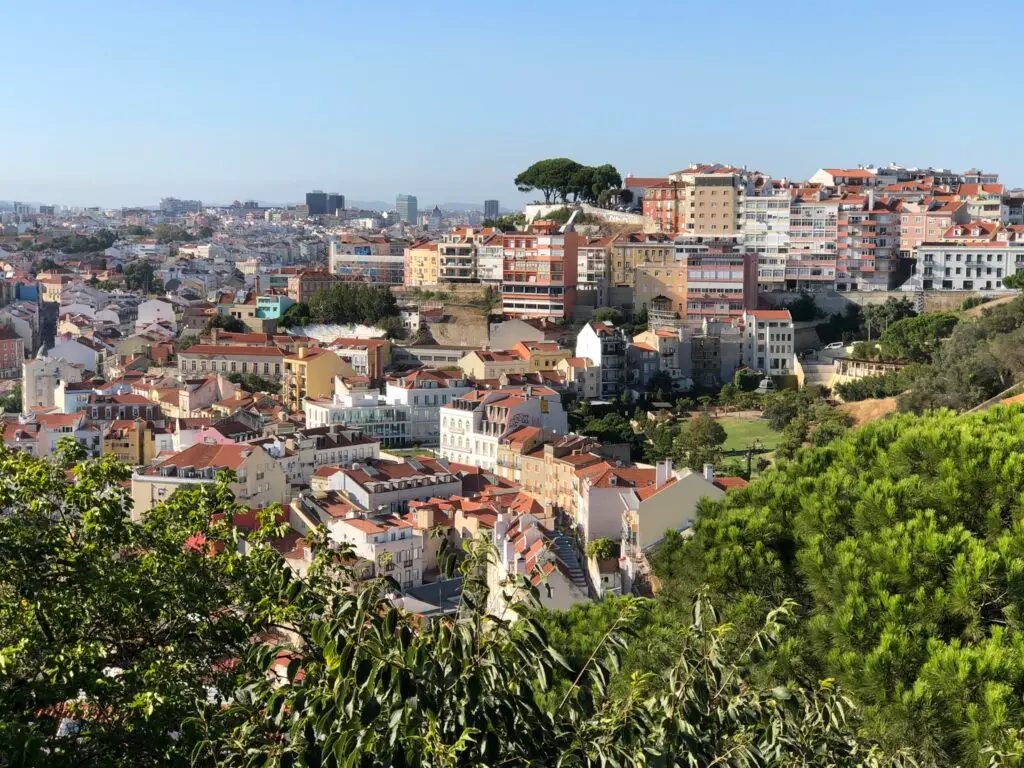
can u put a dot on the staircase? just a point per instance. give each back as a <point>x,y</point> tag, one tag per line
<point>567,554</point>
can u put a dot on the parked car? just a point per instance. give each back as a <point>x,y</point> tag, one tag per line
<point>836,345</point>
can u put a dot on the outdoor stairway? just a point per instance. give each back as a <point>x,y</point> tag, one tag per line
<point>567,552</point>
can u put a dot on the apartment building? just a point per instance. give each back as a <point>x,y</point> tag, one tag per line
<point>813,228</point>
<point>310,372</point>
<point>305,285</point>
<point>541,355</point>
<point>845,177</point>
<point>473,426</point>
<point>985,201</point>
<point>305,450</point>
<point>769,344</point>
<point>12,353</point>
<point>39,379</point>
<point>867,243</point>
<point>539,272</point>
<point>928,221</point>
<point>721,282</point>
<point>368,357</point>
<point>390,485</point>
<point>630,251</point>
<point>701,199</point>
<point>766,218</point>
<point>259,479</point>
<point>358,405</point>
<point>604,346</point>
<point>366,259</point>
<point>970,257</point>
<point>593,270</point>
<point>422,265</point>
<point>134,441</point>
<point>202,359</point>
<point>482,365</point>
<point>457,256</point>
<point>424,392</point>
<point>490,258</point>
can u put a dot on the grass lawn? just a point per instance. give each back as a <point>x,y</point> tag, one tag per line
<point>741,432</point>
<point>409,452</point>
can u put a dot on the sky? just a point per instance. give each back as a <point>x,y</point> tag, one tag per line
<point>121,103</point>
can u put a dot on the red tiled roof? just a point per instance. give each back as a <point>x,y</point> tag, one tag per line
<point>203,455</point>
<point>217,350</point>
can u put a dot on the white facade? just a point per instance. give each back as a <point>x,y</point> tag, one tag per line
<point>966,266</point>
<point>766,233</point>
<point>154,311</point>
<point>423,398</point>
<point>473,426</point>
<point>769,344</point>
<point>39,380</point>
<point>76,352</point>
<point>603,346</point>
<point>489,260</point>
<point>360,408</point>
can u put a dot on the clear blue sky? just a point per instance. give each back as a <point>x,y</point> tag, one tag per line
<point>117,102</point>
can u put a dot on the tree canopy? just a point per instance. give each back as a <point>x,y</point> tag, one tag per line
<point>185,640</point>
<point>903,545</point>
<point>561,177</point>
<point>916,338</point>
<point>344,303</point>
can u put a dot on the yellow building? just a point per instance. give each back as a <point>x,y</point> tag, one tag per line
<point>259,479</point>
<point>485,364</point>
<point>631,250</point>
<point>130,441</point>
<point>654,279</point>
<point>422,265</point>
<point>310,372</point>
<point>541,355</point>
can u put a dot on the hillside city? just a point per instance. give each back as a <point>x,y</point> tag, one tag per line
<point>632,391</point>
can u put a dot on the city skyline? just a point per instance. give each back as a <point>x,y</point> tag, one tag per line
<point>167,101</point>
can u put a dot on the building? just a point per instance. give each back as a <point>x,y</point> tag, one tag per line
<point>368,260</point>
<point>813,228</point>
<point>134,441</point>
<point>310,372</point>
<point>316,202</point>
<point>593,270</point>
<point>633,249</point>
<point>434,221</point>
<point>335,203</point>
<point>422,265</point>
<point>259,479</point>
<point>368,357</point>
<point>845,177</point>
<point>769,344</point>
<point>928,221</point>
<point>12,353</point>
<point>357,405</point>
<point>491,209</point>
<point>541,355</point>
<point>303,286</point>
<point>408,212</point>
<point>424,392</point>
<point>528,548</point>
<point>225,359</point>
<point>701,199</point>
<point>766,219</point>
<point>970,257</point>
<point>604,346</point>
<point>482,365</point>
<point>720,282</point>
<point>539,272</point>
<point>39,380</point>
<point>378,485</point>
<point>456,256</point>
<point>867,243</point>
<point>473,426</point>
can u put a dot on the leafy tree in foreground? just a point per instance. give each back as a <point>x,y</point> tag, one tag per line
<point>158,643</point>
<point>904,546</point>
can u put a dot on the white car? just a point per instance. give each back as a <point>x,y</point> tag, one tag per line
<point>835,345</point>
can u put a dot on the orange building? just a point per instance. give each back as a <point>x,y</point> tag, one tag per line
<point>539,271</point>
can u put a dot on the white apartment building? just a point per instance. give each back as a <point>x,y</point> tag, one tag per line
<point>424,392</point>
<point>766,214</point>
<point>378,485</point>
<point>472,426</point>
<point>768,341</point>
<point>367,261</point>
<point>490,255</point>
<point>602,344</point>
<point>357,405</point>
<point>967,262</point>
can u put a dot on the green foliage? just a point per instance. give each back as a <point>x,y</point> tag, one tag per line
<point>46,264</point>
<point>507,223</point>
<point>561,177</point>
<point>11,402</point>
<point>139,276</point>
<point>974,301</point>
<point>77,243</point>
<point>347,303</point>
<point>887,384</point>
<point>172,233</point>
<point>660,386</point>
<point>1016,280</point>
<point>699,442</point>
<point>608,315</point>
<point>603,549</point>
<point>865,350</point>
<point>296,316</point>
<point>782,407</point>
<point>250,382</point>
<point>746,380</point>
<point>610,428</point>
<point>916,338</point>
<point>902,543</point>
<point>137,231</point>
<point>878,317</point>
<point>803,308</point>
<point>225,323</point>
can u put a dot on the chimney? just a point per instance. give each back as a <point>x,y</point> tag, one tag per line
<point>425,517</point>
<point>302,352</point>
<point>662,472</point>
<point>709,472</point>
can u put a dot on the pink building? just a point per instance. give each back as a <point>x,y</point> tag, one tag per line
<point>539,272</point>
<point>720,283</point>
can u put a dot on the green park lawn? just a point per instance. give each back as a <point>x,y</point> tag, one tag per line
<point>742,431</point>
